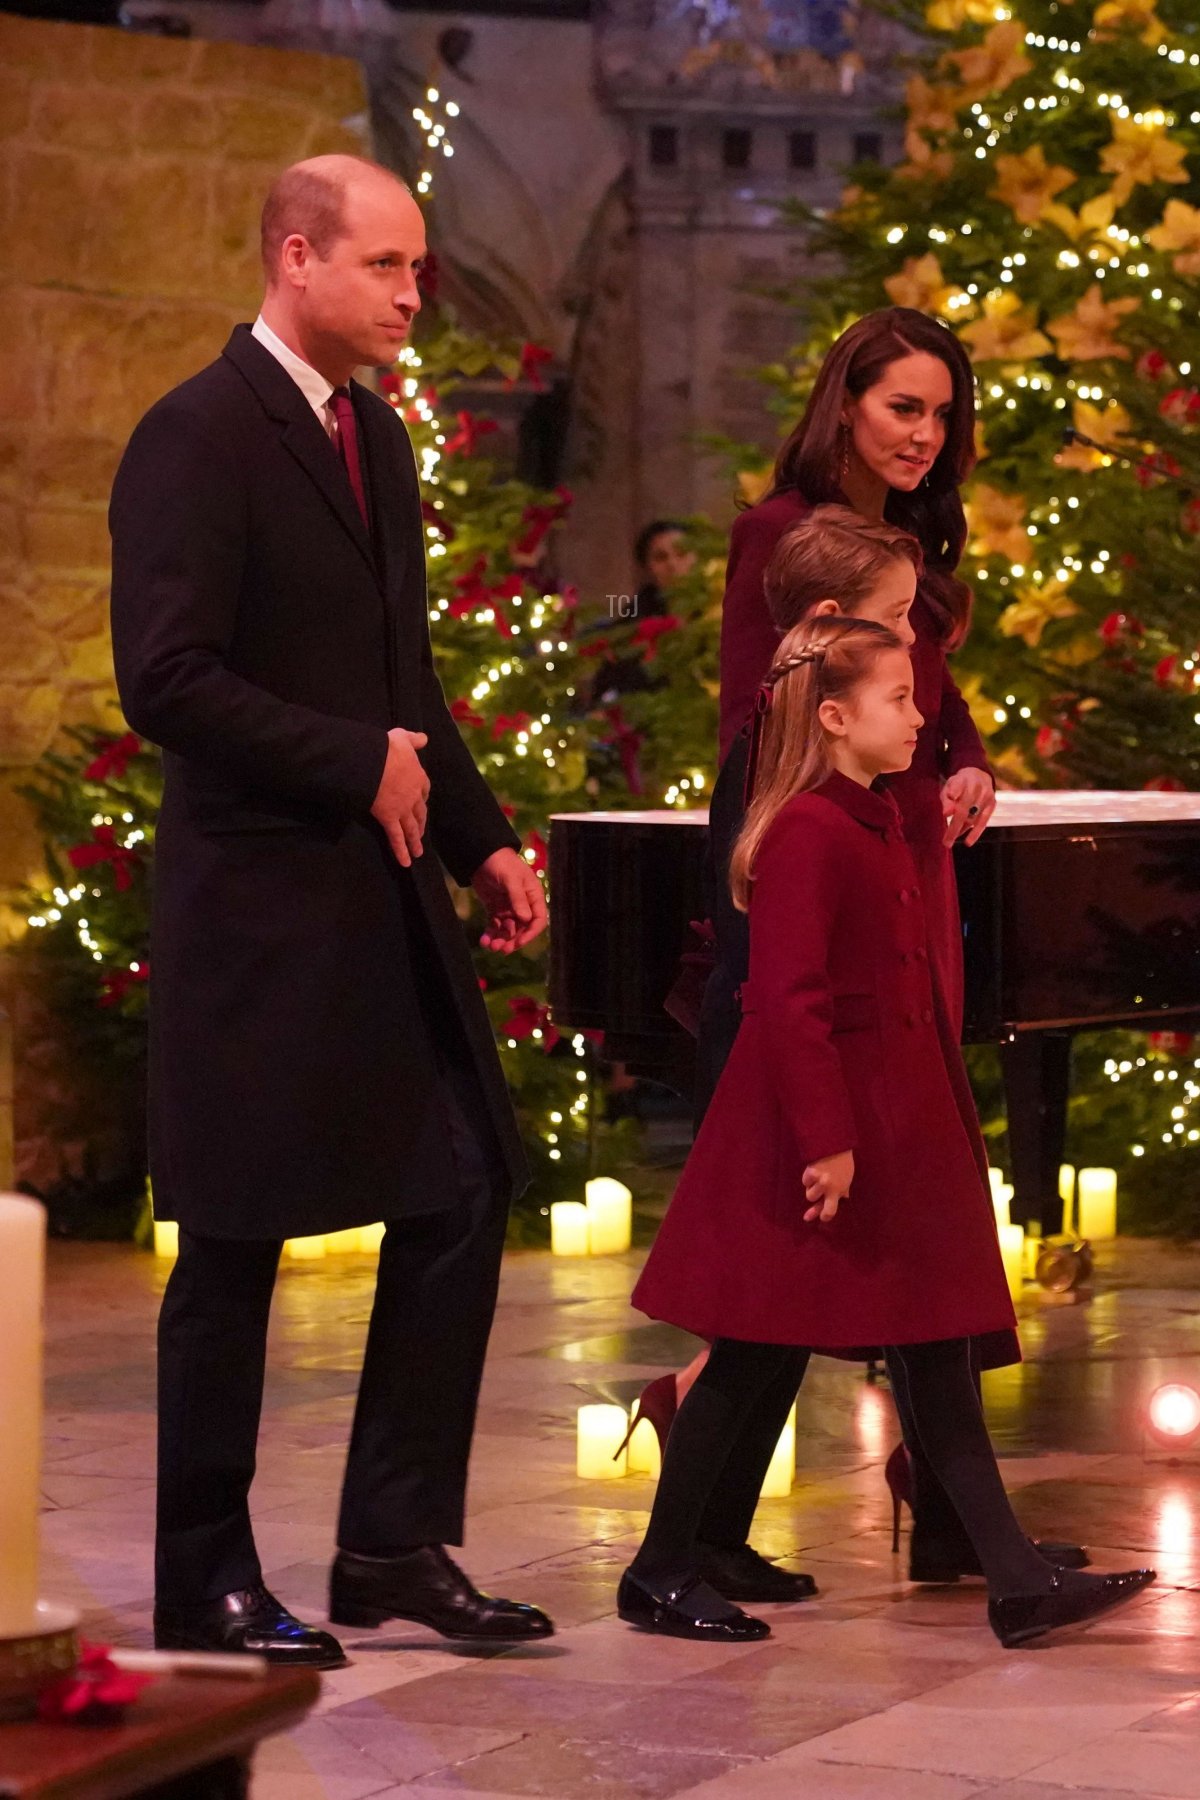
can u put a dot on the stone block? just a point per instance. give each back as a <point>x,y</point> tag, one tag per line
<point>61,537</point>
<point>16,102</point>
<point>89,662</point>
<point>333,83</point>
<point>340,138</point>
<point>77,469</point>
<point>81,118</point>
<point>44,213</point>
<point>238,191</point>
<point>175,119</point>
<point>70,607</point>
<point>149,227</point>
<point>19,356</point>
<point>29,719</point>
<point>262,128</point>
<point>39,47</point>
<point>137,56</point>
<point>31,651</point>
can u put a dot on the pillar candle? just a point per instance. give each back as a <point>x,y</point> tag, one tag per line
<point>781,1471</point>
<point>610,1216</point>
<point>370,1237</point>
<point>1032,1250</point>
<point>22,1257</point>
<point>1012,1249</point>
<point>598,1432</point>
<point>644,1456</point>
<point>1097,1201</point>
<point>305,1249</point>
<point>569,1228</point>
<point>338,1243</point>
<point>1002,1193</point>
<point>166,1237</point>
<point>1066,1193</point>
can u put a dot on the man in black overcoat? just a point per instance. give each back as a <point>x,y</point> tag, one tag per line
<point>320,1055</point>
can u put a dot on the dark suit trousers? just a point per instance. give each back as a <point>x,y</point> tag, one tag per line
<point>406,1471</point>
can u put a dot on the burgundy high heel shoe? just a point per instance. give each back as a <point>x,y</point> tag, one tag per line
<point>659,1402</point>
<point>940,1564</point>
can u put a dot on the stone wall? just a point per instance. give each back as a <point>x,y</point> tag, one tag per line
<point>132,170</point>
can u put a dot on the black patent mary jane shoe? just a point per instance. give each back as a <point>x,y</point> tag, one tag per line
<point>689,1609</point>
<point>249,1622</point>
<point>1019,1618</point>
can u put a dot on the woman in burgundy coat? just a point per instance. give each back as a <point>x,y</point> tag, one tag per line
<point>836,1194</point>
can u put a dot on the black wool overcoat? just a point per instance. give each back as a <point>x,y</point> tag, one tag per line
<point>299,976</point>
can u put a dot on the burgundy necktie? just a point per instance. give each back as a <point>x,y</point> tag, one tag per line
<point>347,446</point>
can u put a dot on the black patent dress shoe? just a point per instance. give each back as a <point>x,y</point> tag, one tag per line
<point>743,1574</point>
<point>250,1621</point>
<point>427,1588</point>
<point>1019,1618</point>
<point>940,1564</point>
<point>679,1611</point>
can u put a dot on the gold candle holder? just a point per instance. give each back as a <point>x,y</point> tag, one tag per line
<point>30,1661</point>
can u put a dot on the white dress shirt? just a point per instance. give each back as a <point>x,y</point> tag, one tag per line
<point>310,381</point>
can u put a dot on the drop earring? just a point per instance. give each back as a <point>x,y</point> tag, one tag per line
<point>844,465</point>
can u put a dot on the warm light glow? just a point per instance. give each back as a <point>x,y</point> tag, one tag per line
<point>598,1432</point>
<point>1174,1412</point>
<point>569,1228</point>
<point>781,1472</point>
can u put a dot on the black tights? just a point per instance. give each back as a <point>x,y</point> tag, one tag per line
<point>938,1400</point>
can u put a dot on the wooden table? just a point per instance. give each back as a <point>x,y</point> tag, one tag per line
<point>179,1727</point>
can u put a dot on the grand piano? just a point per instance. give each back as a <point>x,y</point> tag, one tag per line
<point>1080,910</point>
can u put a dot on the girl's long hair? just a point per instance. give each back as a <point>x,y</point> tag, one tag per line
<point>819,659</point>
<point>809,460</point>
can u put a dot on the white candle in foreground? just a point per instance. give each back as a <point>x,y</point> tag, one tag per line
<point>610,1216</point>
<point>644,1456</point>
<point>598,1432</point>
<point>370,1238</point>
<point>1097,1203</point>
<point>166,1238</point>
<point>23,1259</point>
<point>305,1249</point>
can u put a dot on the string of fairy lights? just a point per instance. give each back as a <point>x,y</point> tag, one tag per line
<point>1181,1130</point>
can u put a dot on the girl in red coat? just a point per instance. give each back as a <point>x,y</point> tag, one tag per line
<point>835,1195</point>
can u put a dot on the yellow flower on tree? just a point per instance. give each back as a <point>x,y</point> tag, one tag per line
<point>982,707</point>
<point>1033,609</point>
<point>1086,333</point>
<point>924,163</point>
<point>1108,425</point>
<point>1007,331</point>
<point>921,284</point>
<point>997,523</point>
<point>1141,155</point>
<point>1028,183</point>
<point>1112,16</point>
<point>1179,231</point>
<point>952,15</point>
<point>1010,767</point>
<point>1092,220</point>
<point>994,65</point>
<point>931,108</point>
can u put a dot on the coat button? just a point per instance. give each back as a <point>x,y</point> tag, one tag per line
<point>910,1019</point>
<point>904,896</point>
<point>927,1016</point>
<point>922,955</point>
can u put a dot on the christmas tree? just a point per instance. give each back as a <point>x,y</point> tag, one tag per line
<point>1048,210</point>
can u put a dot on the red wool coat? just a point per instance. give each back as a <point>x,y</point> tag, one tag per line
<point>948,740</point>
<point>842,1046</point>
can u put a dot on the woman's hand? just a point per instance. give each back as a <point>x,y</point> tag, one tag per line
<point>826,1183</point>
<point>968,802</point>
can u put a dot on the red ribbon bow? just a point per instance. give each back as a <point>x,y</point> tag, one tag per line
<point>115,755</point>
<point>470,430</point>
<point>525,1016</point>
<point>518,721</point>
<point>628,742</point>
<point>465,714</point>
<point>649,631</point>
<point>532,358</point>
<point>117,983</point>
<point>106,849</point>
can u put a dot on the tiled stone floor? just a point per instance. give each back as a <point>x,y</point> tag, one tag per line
<point>874,1690</point>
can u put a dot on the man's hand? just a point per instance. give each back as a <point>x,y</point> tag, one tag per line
<point>968,802</point>
<point>515,901</point>
<point>403,791</point>
<point>826,1183</point>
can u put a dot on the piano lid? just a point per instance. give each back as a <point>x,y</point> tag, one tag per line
<point>1027,810</point>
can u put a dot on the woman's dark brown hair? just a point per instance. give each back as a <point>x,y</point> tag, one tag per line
<point>809,460</point>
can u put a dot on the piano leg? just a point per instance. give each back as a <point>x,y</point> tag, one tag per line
<point>1037,1081</point>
